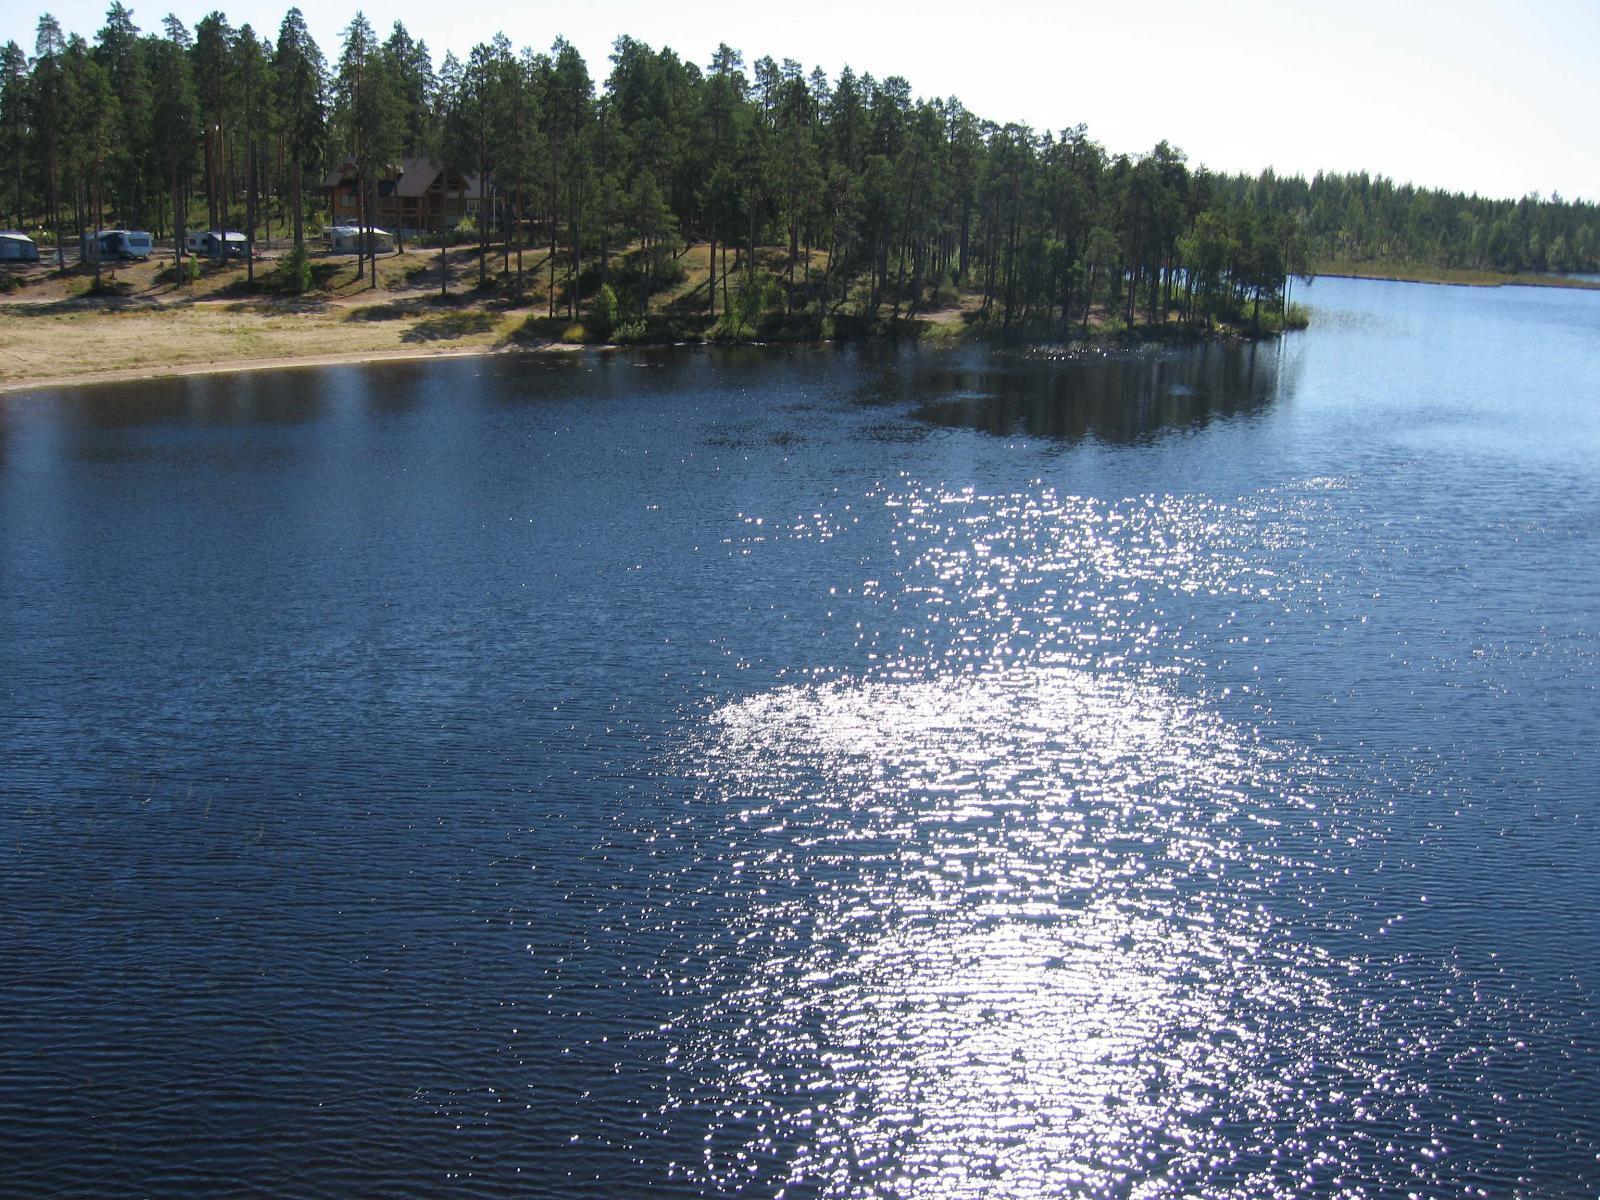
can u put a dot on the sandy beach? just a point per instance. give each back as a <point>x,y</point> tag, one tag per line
<point>54,335</point>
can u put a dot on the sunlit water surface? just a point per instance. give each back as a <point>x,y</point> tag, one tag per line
<point>828,774</point>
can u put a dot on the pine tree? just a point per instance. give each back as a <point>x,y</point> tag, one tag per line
<point>175,125</point>
<point>299,78</point>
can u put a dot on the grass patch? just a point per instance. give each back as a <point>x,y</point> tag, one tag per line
<point>108,287</point>
<point>941,331</point>
<point>389,310</point>
<point>448,327</point>
<point>536,329</point>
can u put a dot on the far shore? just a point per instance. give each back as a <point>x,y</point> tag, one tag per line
<point>56,335</point>
<point>62,327</point>
<point>1447,276</point>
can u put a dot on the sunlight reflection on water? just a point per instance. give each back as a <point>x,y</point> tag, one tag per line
<point>1010,926</point>
<point>1016,941</point>
<point>1021,910</point>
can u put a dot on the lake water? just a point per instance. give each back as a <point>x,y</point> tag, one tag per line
<point>839,773</point>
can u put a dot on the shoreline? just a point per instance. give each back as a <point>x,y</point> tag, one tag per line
<point>283,362</point>
<point>81,342</point>
<point>145,327</point>
<point>278,363</point>
<point>1449,277</point>
<point>57,337</point>
<point>101,342</point>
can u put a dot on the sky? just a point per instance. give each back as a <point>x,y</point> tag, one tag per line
<point>1494,98</point>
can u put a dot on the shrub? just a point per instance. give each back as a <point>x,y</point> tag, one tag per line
<point>804,326</point>
<point>757,293</point>
<point>604,311</point>
<point>189,272</point>
<point>848,326</point>
<point>293,276</point>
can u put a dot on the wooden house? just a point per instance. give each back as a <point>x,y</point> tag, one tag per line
<point>413,195</point>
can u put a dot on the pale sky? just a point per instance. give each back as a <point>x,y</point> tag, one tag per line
<point>1500,99</point>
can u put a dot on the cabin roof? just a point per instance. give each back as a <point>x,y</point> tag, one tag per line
<point>410,178</point>
<point>416,177</point>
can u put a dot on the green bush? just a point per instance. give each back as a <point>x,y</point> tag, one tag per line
<point>1275,321</point>
<point>293,276</point>
<point>850,326</point>
<point>604,311</point>
<point>757,293</point>
<point>106,286</point>
<point>804,326</point>
<point>174,274</point>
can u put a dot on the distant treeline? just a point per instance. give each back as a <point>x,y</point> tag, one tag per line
<point>855,190</point>
<point>1362,218</point>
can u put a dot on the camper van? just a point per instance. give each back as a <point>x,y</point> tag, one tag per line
<point>17,247</point>
<point>113,245</point>
<point>216,244</point>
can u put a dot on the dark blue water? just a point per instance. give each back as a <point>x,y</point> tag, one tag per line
<point>835,773</point>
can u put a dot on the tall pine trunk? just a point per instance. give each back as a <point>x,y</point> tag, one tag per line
<point>550,263</point>
<point>250,216</point>
<point>711,280</point>
<point>299,208</point>
<point>444,255</point>
<point>178,227</point>
<point>98,223</point>
<point>575,232</point>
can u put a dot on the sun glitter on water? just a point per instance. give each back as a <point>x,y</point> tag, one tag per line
<point>1014,942</point>
<point>1012,914</point>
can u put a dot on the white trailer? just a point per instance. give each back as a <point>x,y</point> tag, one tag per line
<point>216,243</point>
<point>346,239</point>
<point>116,245</point>
<point>16,246</point>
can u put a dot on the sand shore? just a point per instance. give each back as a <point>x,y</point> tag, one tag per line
<point>53,334</point>
<point>69,342</point>
<point>166,371</point>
